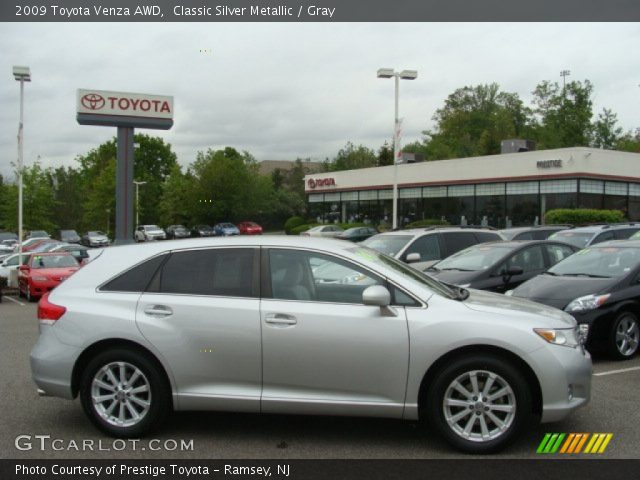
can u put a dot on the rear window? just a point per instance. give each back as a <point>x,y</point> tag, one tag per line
<point>136,279</point>
<point>577,239</point>
<point>488,237</point>
<point>387,244</point>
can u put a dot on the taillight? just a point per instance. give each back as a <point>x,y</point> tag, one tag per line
<point>49,312</point>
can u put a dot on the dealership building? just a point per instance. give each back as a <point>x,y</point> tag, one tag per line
<point>509,189</point>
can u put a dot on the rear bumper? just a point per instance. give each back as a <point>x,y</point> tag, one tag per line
<point>52,364</point>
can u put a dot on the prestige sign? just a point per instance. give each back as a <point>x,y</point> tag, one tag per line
<point>101,107</point>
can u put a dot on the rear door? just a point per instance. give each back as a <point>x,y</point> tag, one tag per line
<point>456,241</point>
<point>324,351</point>
<point>202,313</point>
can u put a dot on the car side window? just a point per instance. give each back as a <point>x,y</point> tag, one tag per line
<point>524,236</point>
<point>529,259</point>
<point>557,253</point>
<point>456,241</point>
<point>624,233</point>
<point>487,237</point>
<point>428,246</point>
<point>218,271</point>
<point>309,276</point>
<point>136,279</point>
<point>603,237</point>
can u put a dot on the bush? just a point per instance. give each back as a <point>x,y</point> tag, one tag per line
<point>427,222</point>
<point>292,223</point>
<point>580,216</point>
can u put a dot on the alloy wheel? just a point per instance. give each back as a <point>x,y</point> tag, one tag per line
<point>627,335</point>
<point>479,405</point>
<point>121,394</point>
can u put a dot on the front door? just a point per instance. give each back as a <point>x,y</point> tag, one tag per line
<point>324,351</point>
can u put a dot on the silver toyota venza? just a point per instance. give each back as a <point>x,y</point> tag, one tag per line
<point>302,326</point>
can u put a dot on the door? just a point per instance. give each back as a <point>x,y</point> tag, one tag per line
<point>202,313</point>
<point>530,259</point>
<point>323,350</point>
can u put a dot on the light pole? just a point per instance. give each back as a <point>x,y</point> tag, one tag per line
<point>21,74</point>
<point>564,74</point>
<point>404,75</point>
<point>137,184</point>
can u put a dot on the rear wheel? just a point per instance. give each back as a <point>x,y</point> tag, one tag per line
<point>124,393</point>
<point>479,404</point>
<point>624,336</point>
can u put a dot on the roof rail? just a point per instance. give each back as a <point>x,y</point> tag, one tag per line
<point>437,227</point>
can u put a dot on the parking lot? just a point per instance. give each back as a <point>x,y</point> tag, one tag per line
<point>613,409</point>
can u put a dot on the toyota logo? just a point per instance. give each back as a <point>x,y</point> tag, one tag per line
<point>311,183</point>
<point>92,101</point>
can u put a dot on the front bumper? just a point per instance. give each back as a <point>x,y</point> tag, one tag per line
<point>565,379</point>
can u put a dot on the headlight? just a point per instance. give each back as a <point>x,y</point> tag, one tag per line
<point>509,293</point>
<point>567,337</point>
<point>465,285</point>
<point>586,303</point>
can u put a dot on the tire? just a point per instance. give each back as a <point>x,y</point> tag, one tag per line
<point>115,416</point>
<point>28,294</point>
<point>492,427</point>
<point>624,336</point>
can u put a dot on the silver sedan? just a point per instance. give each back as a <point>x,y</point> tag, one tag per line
<point>301,326</point>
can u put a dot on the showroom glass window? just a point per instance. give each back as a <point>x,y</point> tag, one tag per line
<point>523,203</point>
<point>461,201</point>
<point>490,204</point>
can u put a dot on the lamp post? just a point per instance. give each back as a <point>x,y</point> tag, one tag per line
<point>137,184</point>
<point>564,74</point>
<point>404,75</point>
<point>21,74</point>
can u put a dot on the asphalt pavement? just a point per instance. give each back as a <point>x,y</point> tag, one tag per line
<point>35,427</point>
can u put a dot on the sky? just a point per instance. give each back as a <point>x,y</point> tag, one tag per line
<point>286,90</point>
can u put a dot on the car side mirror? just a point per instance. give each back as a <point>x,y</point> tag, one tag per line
<point>413,257</point>
<point>23,268</point>
<point>379,296</point>
<point>514,270</point>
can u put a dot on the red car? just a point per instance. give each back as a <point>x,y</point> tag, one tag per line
<point>44,272</point>
<point>249,228</point>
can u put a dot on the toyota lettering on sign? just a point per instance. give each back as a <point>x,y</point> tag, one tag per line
<point>100,107</point>
<point>314,183</point>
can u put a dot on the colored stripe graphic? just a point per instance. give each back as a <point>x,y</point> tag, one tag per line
<point>574,443</point>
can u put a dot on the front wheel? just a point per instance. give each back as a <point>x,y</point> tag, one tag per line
<point>625,336</point>
<point>124,393</point>
<point>479,403</point>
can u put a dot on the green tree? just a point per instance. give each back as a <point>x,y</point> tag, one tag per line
<point>175,205</point>
<point>385,155</point>
<point>351,157</point>
<point>629,142</point>
<point>38,199</point>
<point>563,115</point>
<point>605,132</point>
<point>100,201</point>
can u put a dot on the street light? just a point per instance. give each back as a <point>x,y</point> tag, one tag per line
<point>564,74</point>
<point>404,75</point>
<point>21,74</point>
<point>137,184</point>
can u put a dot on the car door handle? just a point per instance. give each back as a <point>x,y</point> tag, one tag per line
<point>280,319</point>
<point>158,310</point>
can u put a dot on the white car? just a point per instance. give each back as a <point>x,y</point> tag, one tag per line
<point>147,233</point>
<point>10,262</point>
<point>327,231</point>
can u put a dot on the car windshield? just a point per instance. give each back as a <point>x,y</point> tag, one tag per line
<point>477,257</point>
<point>599,262</point>
<point>405,271</point>
<point>53,261</point>
<point>387,244</point>
<point>577,239</point>
<point>152,227</point>
<point>227,225</point>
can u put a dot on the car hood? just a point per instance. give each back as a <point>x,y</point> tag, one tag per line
<point>518,308</point>
<point>54,272</point>
<point>100,238</point>
<point>559,291</point>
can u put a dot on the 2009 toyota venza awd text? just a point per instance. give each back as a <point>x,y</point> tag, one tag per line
<point>302,326</point>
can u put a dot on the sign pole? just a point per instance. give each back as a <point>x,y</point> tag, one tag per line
<point>124,187</point>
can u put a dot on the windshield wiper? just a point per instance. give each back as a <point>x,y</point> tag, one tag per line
<point>551,273</point>
<point>589,275</point>
<point>433,268</point>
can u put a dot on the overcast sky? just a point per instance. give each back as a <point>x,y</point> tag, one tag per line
<point>283,91</point>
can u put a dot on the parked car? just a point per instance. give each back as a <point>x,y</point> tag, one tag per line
<point>327,231</point>
<point>36,234</point>
<point>147,233</point>
<point>422,247</point>
<point>226,229</point>
<point>8,240</point>
<point>593,234</point>
<point>95,238</point>
<point>500,266</point>
<point>635,236</point>
<point>69,236</point>
<point>357,234</point>
<point>177,231</point>
<point>32,243</point>
<point>540,232</point>
<point>43,272</point>
<point>599,286</point>
<point>79,252</point>
<point>249,228</point>
<point>399,345</point>
<point>202,231</point>
<point>10,262</point>
<point>45,246</point>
